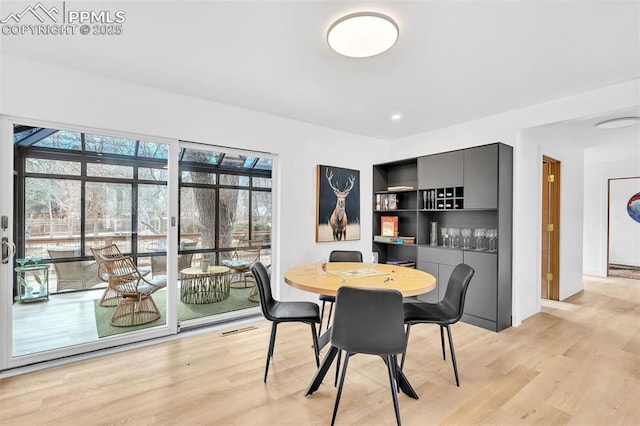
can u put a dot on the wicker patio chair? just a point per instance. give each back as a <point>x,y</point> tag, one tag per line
<point>74,275</point>
<point>135,304</point>
<point>246,254</point>
<point>159,263</point>
<point>109,297</point>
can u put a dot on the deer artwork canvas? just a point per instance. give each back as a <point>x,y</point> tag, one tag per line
<point>338,204</point>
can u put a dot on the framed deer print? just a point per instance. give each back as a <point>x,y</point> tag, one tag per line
<point>338,204</point>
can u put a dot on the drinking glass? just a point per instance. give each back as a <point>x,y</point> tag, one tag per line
<point>466,235</point>
<point>455,237</point>
<point>322,266</point>
<point>445,235</point>
<point>424,198</point>
<point>492,234</point>
<point>479,234</point>
<point>374,257</point>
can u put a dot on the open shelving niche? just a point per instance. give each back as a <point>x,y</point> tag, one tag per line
<point>401,173</point>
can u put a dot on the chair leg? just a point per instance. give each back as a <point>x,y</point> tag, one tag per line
<point>396,371</point>
<point>444,356</point>
<point>316,347</point>
<point>272,342</point>
<point>391,367</point>
<point>321,317</point>
<point>330,311</point>
<point>406,340</point>
<point>338,368</point>
<point>344,373</point>
<point>453,355</point>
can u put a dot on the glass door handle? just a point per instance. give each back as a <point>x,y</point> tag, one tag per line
<point>8,250</point>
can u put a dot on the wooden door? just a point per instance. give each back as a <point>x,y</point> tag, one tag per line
<point>550,270</point>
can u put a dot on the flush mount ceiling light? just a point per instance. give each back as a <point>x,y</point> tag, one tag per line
<point>616,123</point>
<point>363,34</point>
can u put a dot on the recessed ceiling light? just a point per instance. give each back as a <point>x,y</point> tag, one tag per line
<point>616,123</point>
<point>396,117</point>
<point>363,34</point>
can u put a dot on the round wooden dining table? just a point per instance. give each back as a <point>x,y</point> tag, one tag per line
<point>408,281</point>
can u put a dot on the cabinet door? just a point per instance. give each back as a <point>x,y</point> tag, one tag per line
<point>482,295</point>
<point>430,268</point>
<point>441,170</point>
<point>481,177</point>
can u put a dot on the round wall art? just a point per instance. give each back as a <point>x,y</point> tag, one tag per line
<point>633,207</point>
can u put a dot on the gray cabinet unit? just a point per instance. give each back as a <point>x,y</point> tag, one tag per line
<point>441,170</point>
<point>482,179</point>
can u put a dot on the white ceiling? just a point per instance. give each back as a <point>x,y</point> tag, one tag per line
<point>454,61</point>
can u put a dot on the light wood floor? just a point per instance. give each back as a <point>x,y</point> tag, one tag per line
<point>577,362</point>
<point>66,319</point>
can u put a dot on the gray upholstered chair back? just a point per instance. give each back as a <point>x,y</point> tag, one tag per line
<point>369,321</point>
<point>457,290</point>
<point>345,256</point>
<point>264,288</point>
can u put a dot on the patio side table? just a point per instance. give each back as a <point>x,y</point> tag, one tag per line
<point>210,286</point>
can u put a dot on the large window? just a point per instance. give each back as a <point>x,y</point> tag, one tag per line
<point>81,190</point>
<point>221,205</point>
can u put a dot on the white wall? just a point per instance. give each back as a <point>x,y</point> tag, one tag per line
<point>510,128</point>
<point>619,157</point>
<point>37,91</point>
<point>43,92</point>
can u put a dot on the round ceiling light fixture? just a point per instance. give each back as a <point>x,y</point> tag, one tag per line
<point>363,34</point>
<point>617,123</point>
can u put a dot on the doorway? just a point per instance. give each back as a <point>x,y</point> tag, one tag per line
<point>623,249</point>
<point>550,265</point>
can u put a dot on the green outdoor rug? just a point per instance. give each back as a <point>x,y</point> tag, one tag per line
<point>237,300</point>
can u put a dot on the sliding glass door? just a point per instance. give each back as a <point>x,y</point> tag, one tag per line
<point>225,202</point>
<point>88,208</point>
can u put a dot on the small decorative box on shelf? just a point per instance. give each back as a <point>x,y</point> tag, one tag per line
<point>408,240</point>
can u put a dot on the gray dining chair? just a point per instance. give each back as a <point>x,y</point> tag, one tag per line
<point>278,312</point>
<point>369,321</point>
<point>444,313</point>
